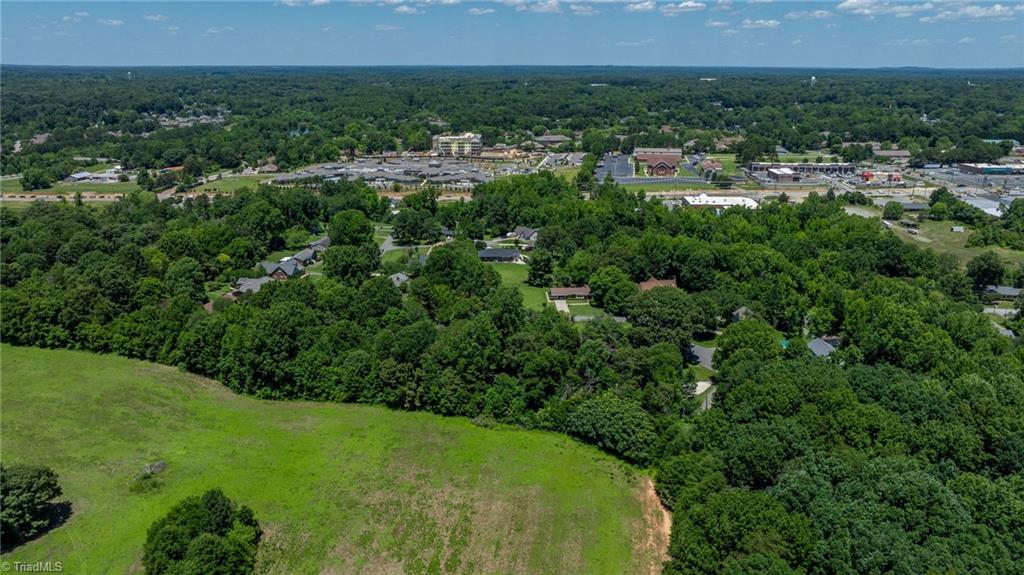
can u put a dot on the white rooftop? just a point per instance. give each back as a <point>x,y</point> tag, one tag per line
<point>720,201</point>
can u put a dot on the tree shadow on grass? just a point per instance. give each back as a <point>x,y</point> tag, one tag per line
<point>57,514</point>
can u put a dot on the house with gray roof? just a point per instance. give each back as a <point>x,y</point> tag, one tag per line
<point>248,285</point>
<point>282,270</point>
<point>526,234</point>
<point>398,279</point>
<point>1003,291</point>
<point>499,255</point>
<point>823,346</point>
<point>306,256</point>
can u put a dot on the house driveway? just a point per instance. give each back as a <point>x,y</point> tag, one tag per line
<point>702,354</point>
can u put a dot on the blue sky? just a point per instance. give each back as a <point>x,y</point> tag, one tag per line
<point>852,33</point>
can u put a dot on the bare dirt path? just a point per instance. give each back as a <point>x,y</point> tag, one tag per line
<point>652,542</point>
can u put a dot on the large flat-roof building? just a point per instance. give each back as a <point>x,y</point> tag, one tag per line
<point>806,167</point>
<point>659,161</point>
<point>993,169</point>
<point>468,144</point>
<point>719,202</point>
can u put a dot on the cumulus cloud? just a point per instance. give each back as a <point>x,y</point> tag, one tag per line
<point>212,30</point>
<point>305,2</point>
<point>111,22</point>
<point>480,11</point>
<point>909,42</point>
<point>406,9</point>
<point>965,40</point>
<point>760,23</point>
<point>687,6</point>
<point>583,9</point>
<point>634,44</point>
<point>171,29</point>
<point>154,17</point>
<point>729,32</point>
<point>808,15</point>
<point>645,6</point>
<point>872,8</point>
<point>975,12</point>
<point>387,28</point>
<point>716,24</point>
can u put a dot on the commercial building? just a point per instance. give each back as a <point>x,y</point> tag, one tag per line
<point>719,202</point>
<point>806,167</point>
<point>882,177</point>
<point>987,169</point>
<point>659,161</point>
<point>467,144</point>
<point>783,175</point>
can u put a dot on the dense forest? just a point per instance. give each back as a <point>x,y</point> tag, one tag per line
<point>305,115</point>
<point>902,452</point>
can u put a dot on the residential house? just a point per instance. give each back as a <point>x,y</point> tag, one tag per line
<point>741,313</point>
<point>282,270</point>
<point>247,285</point>
<point>652,283</point>
<point>306,256</point>
<point>1004,292</point>
<point>525,234</point>
<point>500,255</point>
<point>447,232</point>
<point>567,293</point>
<point>398,279</point>
<point>820,348</point>
<point>320,244</point>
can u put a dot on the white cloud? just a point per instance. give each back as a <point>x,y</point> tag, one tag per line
<point>687,6</point>
<point>480,11</point>
<point>760,23</point>
<point>305,2</point>
<point>218,30</point>
<point>75,17</point>
<point>327,28</point>
<point>406,9</point>
<point>645,6</point>
<point>154,17</point>
<point>975,12</point>
<point>1011,39</point>
<point>634,44</point>
<point>729,32</point>
<point>909,42</point>
<point>583,9</point>
<point>111,22</point>
<point>723,5</point>
<point>716,24</point>
<point>171,29</point>
<point>387,28</point>
<point>872,8</point>
<point>797,42</point>
<point>541,6</point>
<point>808,15</point>
<point>965,40</point>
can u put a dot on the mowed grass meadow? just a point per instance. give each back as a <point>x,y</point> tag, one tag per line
<point>339,489</point>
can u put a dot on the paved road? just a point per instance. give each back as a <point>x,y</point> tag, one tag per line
<point>702,354</point>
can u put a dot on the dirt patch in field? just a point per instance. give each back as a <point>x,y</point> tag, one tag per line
<point>652,539</point>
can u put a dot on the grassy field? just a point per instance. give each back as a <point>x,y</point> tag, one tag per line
<point>515,275</point>
<point>401,256</point>
<point>668,187</point>
<point>728,162</point>
<point>938,236</point>
<point>231,184</point>
<point>14,187</point>
<point>337,488</point>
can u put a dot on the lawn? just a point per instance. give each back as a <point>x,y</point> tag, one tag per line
<point>937,236</point>
<point>13,186</point>
<point>401,256</point>
<point>701,373</point>
<point>728,162</point>
<point>515,275</point>
<point>668,187</point>
<point>337,488</point>
<point>231,184</point>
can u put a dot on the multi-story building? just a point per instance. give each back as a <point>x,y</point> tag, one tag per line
<point>467,144</point>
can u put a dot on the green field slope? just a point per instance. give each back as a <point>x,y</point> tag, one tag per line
<point>338,488</point>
